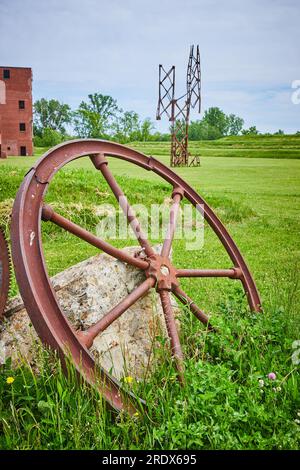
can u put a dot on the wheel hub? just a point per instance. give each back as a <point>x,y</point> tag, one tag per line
<point>161,269</point>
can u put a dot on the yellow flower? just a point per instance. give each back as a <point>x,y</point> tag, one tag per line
<point>136,414</point>
<point>10,380</point>
<point>128,380</point>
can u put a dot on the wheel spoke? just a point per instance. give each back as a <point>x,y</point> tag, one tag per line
<point>101,164</point>
<point>177,196</point>
<point>188,302</point>
<point>234,273</point>
<point>172,332</point>
<point>48,214</point>
<point>87,337</point>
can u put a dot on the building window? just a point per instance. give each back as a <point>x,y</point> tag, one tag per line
<point>22,126</point>
<point>21,104</point>
<point>23,151</point>
<point>6,74</point>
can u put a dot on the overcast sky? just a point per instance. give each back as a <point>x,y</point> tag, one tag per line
<point>250,52</point>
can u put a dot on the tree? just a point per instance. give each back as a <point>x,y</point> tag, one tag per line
<point>279,132</point>
<point>235,124</point>
<point>159,137</point>
<point>127,127</point>
<point>51,115</point>
<point>49,138</point>
<point>146,129</point>
<point>95,118</point>
<point>209,132</point>
<point>215,124</point>
<point>201,130</point>
<point>251,131</point>
<point>216,118</point>
<point>195,130</point>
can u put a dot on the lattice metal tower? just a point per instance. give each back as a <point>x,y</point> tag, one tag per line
<point>178,109</point>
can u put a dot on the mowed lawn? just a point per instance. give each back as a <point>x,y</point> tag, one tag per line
<point>228,401</point>
<point>252,146</point>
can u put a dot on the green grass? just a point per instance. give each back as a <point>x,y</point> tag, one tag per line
<point>222,405</point>
<point>260,146</point>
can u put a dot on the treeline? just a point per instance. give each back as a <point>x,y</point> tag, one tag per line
<point>100,117</point>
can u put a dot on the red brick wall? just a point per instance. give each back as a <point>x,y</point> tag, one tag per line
<point>12,90</point>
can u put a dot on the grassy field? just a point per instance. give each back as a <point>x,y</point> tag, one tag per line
<point>259,146</point>
<point>228,402</point>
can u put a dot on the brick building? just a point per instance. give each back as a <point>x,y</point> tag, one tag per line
<point>15,111</point>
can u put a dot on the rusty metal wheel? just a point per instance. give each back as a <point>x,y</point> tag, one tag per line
<point>35,287</point>
<point>4,273</point>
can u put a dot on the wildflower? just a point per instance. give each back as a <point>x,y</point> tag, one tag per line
<point>261,383</point>
<point>297,421</point>
<point>272,376</point>
<point>128,380</point>
<point>136,414</point>
<point>10,380</point>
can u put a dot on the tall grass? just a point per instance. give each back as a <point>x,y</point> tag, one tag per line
<point>228,401</point>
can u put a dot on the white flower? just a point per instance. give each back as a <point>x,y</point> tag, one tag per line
<point>261,383</point>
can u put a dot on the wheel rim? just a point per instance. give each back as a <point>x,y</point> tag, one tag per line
<point>35,286</point>
<point>4,273</point>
